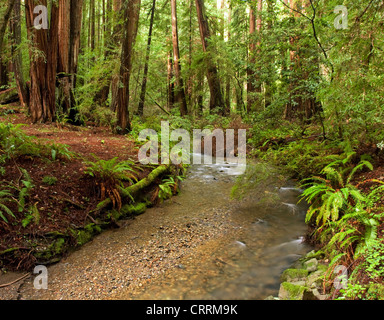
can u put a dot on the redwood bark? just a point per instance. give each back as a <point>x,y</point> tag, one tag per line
<point>140,110</point>
<point>17,63</point>
<point>131,19</point>
<point>216,101</point>
<point>180,91</point>
<point>43,66</point>
<point>253,82</point>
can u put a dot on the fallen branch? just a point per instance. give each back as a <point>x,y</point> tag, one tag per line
<point>15,281</point>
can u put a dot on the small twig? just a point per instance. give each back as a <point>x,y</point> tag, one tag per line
<point>13,282</point>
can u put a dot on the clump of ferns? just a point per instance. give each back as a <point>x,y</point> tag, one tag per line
<point>333,193</point>
<point>110,175</point>
<point>346,219</point>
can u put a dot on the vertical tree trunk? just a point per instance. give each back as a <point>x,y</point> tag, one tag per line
<point>179,90</point>
<point>131,19</point>
<point>3,26</point>
<point>170,84</point>
<point>4,21</point>
<point>140,110</point>
<point>217,101</point>
<point>17,62</point>
<point>253,82</point>
<point>92,18</point>
<point>228,80</point>
<point>70,15</point>
<point>112,40</point>
<point>43,67</point>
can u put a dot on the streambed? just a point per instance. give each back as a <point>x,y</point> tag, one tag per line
<point>198,245</point>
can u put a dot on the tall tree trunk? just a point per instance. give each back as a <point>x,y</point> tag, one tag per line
<point>17,62</point>
<point>217,101</point>
<point>4,22</point>
<point>228,80</point>
<point>253,82</point>
<point>43,67</point>
<point>179,90</point>
<point>3,26</point>
<point>70,15</point>
<point>170,84</point>
<point>131,20</point>
<point>112,40</point>
<point>140,109</point>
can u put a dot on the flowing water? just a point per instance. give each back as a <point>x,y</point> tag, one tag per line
<point>198,245</point>
<point>259,243</point>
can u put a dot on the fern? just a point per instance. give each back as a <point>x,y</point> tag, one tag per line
<point>5,196</point>
<point>109,175</point>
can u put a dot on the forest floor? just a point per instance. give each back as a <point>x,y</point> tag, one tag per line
<point>67,202</point>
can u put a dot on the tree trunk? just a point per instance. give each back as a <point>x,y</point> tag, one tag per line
<point>131,19</point>
<point>70,15</point>
<point>3,26</point>
<point>140,110</point>
<point>179,90</point>
<point>17,62</point>
<point>4,22</point>
<point>170,84</point>
<point>228,80</point>
<point>113,40</point>
<point>43,67</point>
<point>253,82</point>
<point>217,101</point>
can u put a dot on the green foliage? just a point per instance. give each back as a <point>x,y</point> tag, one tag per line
<point>5,197</point>
<point>168,187</point>
<point>333,194</point>
<point>111,170</point>
<point>49,180</point>
<point>14,143</point>
<point>60,151</point>
<point>374,260</point>
<point>109,175</point>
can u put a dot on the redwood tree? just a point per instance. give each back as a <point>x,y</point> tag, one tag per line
<point>217,100</point>
<point>131,18</point>
<point>42,104</point>
<point>180,91</point>
<point>253,81</point>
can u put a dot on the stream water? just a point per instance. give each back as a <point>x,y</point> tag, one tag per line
<point>198,245</point>
<point>247,261</point>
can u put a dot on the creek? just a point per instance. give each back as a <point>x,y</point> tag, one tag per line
<point>198,245</point>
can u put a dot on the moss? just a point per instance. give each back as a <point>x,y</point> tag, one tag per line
<point>131,209</point>
<point>291,291</point>
<point>53,252</point>
<point>85,235</point>
<point>290,275</point>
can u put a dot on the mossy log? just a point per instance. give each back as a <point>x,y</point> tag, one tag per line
<point>132,191</point>
<point>9,96</point>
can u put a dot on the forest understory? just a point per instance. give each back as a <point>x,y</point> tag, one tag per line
<point>81,79</point>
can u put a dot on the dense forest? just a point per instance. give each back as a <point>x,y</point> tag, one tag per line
<point>80,79</point>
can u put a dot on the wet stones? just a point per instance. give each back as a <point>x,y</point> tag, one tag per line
<point>304,281</point>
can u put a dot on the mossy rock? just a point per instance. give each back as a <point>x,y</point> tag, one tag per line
<point>292,275</point>
<point>291,291</point>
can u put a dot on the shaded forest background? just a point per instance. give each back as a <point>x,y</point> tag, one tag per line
<point>104,61</point>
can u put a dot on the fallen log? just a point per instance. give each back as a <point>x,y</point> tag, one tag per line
<point>132,190</point>
<point>9,96</point>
